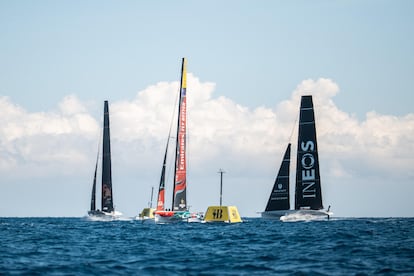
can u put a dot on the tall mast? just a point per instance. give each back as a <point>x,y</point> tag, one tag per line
<point>152,194</point>
<point>179,201</point>
<point>107,199</point>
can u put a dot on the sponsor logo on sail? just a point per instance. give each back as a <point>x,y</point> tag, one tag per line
<point>308,170</point>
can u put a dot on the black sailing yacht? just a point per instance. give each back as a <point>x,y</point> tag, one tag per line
<point>308,193</point>
<point>107,203</point>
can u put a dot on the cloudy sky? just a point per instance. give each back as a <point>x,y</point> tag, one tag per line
<point>248,66</point>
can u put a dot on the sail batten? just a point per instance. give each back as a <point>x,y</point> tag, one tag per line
<point>308,187</point>
<point>307,123</point>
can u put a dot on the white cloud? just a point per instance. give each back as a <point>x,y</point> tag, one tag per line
<point>39,139</point>
<point>71,105</point>
<point>248,143</point>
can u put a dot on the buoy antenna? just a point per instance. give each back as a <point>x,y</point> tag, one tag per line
<point>221,185</point>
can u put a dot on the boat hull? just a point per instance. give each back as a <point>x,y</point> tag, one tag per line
<point>170,216</point>
<point>276,214</point>
<point>287,215</point>
<point>196,217</point>
<point>307,215</point>
<point>100,215</point>
<point>177,216</point>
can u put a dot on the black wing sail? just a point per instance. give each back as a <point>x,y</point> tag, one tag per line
<point>279,198</point>
<point>161,189</point>
<point>308,186</point>
<point>107,199</point>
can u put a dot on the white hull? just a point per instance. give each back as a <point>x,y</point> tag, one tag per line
<point>297,215</point>
<point>184,217</point>
<point>306,215</point>
<point>196,217</point>
<point>105,216</point>
<point>171,219</point>
<point>276,214</point>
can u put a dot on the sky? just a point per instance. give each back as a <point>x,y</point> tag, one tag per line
<point>248,66</point>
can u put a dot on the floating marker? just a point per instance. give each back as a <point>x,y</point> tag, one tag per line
<point>147,213</point>
<point>228,214</point>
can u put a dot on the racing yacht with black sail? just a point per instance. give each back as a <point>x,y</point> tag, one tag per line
<point>107,203</point>
<point>308,192</point>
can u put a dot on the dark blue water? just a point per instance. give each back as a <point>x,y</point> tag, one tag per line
<point>75,246</point>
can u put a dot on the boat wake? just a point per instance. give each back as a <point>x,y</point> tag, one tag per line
<point>304,216</point>
<point>108,218</point>
<point>116,216</point>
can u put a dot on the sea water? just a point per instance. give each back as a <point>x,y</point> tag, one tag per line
<point>76,246</point>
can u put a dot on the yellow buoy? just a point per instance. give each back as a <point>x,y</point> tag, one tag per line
<point>147,213</point>
<point>228,214</point>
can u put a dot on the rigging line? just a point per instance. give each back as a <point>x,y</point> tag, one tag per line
<point>100,138</point>
<point>169,161</point>
<point>96,166</point>
<point>293,128</point>
<point>100,143</point>
<point>173,115</point>
<point>93,195</point>
<point>99,147</point>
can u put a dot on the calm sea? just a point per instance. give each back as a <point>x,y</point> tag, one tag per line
<point>76,246</point>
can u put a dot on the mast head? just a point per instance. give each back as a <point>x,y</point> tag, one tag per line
<point>184,74</point>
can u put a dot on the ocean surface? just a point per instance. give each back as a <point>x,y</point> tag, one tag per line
<point>77,246</point>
